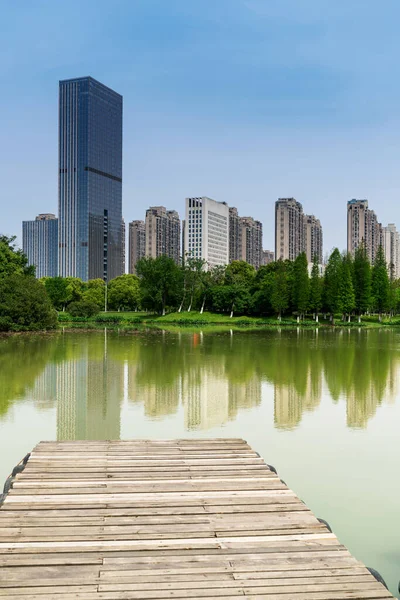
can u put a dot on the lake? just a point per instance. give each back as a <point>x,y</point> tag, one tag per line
<point>322,406</point>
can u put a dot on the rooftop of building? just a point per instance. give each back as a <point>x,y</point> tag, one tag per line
<point>89,78</point>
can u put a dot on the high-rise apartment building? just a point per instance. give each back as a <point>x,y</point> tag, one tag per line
<point>123,243</point>
<point>363,227</point>
<point>251,241</point>
<point>312,237</point>
<point>207,230</point>
<point>289,230</point>
<point>268,257</point>
<point>235,231</point>
<point>391,249</point>
<point>163,233</point>
<point>137,244</point>
<point>90,180</point>
<point>40,244</point>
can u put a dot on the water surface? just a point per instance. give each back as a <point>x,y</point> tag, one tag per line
<point>322,406</point>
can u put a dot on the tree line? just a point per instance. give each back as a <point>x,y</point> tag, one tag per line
<point>349,286</point>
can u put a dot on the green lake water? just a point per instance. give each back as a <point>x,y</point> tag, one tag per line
<point>322,406</point>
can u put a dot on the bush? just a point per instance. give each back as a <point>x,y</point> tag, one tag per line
<point>83,308</point>
<point>25,305</point>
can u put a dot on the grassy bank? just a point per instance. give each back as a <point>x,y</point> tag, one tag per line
<point>195,319</point>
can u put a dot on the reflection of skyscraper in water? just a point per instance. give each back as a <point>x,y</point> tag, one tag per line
<point>159,401</point>
<point>244,395</point>
<point>44,390</point>
<point>89,394</point>
<point>211,399</point>
<point>362,406</point>
<point>205,399</point>
<point>289,404</point>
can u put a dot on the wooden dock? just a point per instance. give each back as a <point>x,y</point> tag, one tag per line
<point>166,519</point>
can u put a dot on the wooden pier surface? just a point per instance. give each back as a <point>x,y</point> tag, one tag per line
<point>166,519</point>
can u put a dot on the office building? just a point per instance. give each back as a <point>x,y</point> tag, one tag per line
<point>90,180</point>
<point>137,244</point>
<point>289,230</point>
<point>363,227</point>
<point>183,241</point>
<point>251,241</point>
<point>312,237</point>
<point>207,230</point>
<point>40,244</point>
<point>163,233</point>
<point>268,257</point>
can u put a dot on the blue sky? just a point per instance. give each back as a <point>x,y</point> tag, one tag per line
<point>240,100</point>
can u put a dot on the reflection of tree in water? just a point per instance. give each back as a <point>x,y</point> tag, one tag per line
<point>213,376</point>
<point>22,359</point>
<point>362,370</point>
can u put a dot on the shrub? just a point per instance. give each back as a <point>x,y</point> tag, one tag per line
<point>83,308</point>
<point>25,305</point>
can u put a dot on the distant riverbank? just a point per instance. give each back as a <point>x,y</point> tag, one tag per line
<point>196,319</point>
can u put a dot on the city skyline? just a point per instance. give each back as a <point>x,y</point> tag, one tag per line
<point>242,116</point>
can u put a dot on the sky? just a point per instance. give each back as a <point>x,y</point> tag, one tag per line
<point>243,101</point>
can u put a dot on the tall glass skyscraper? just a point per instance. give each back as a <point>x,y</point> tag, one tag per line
<point>90,180</point>
<point>40,244</point>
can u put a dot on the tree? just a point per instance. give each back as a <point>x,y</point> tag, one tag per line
<point>75,289</point>
<point>25,305</point>
<point>239,272</point>
<point>57,290</point>
<point>280,289</point>
<point>332,283</point>
<point>95,292</point>
<point>13,261</point>
<point>347,296</point>
<point>83,308</point>
<point>124,292</point>
<point>193,278</point>
<point>362,281</point>
<point>301,284</point>
<point>380,283</point>
<point>315,289</point>
<point>160,283</point>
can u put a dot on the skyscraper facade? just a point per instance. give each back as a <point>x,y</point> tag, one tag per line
<point>90,180</point>
<point>391,249</point>
<point>137,244</point>
<point>163,233</point>
<point>207,230</point>
<point>235,231</point>
<point>251,241</point>
<point>313,238</point>
<point>123,245</point>
<point>363,227</point>
<point>40,244</point>
<point>268,257</point>
<point>289,230</point>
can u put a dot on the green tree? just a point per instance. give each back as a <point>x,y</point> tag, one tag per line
<point>380,283</point>
<point>75,289</point>
<point>362,281</point>
<point>332,280</point>
<point>280,289</point>
<point>160,283</point>
<point>25,305</point>
<point>57,290</point>
<point>347,296</point>
<point>12,260</point>
<point>193,278</point>
<point>315,288</point>
<point>83,308</point>
<point>95,292</point>
<point>301,284</point>
<point>239,272</point>
<point>124,293</point>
